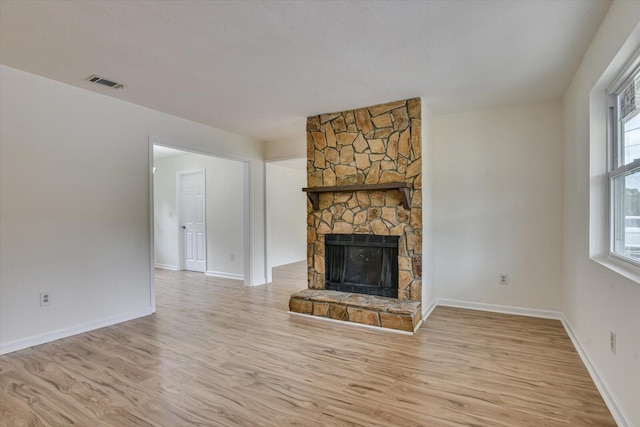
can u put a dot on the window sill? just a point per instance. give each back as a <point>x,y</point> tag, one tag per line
<point>620,266</point>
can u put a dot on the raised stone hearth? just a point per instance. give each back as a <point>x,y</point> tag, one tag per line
<point>365,309</point>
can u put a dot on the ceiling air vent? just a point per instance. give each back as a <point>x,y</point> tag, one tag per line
<point>105,82</point>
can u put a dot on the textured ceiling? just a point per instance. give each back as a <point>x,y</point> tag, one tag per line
<point>259,68</point>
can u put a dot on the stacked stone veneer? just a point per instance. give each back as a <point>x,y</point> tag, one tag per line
<point>378,144</point>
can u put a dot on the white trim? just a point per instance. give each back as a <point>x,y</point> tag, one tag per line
<point>495,308</point>
<point>291,262</point>
<point>291,157</point>
<point>152,231</point>
<point>46,337</point>
<point>224,275</point>
<point>167,267</point>
<point>360,325</point>
<point>609,399</point>
<point>428,310</point>
<point>625,73</point>
<point>246,189</point>
<point>205,151</point>
<point>248,227</point>
<point>267,224</point>
<point>424,315</point>
<point>415,330</point>
<point>622,267</point>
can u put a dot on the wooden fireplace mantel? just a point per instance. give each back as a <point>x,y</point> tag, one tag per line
<point>313,193</point>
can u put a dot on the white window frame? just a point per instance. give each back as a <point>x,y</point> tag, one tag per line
<point>615,153</point>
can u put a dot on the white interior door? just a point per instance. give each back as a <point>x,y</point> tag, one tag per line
<point>192,220</point>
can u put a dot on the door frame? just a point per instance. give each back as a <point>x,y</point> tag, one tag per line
<point>181,248</point>
<point>246,207</point>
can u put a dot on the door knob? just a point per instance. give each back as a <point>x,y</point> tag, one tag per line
<point>184,226</point>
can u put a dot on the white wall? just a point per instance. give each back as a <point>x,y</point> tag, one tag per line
<point>598,300</point>
<point>287,149</point>
<point>224,212</point>
<point>428,178</point>
<point>74,211</point>
<point>287,206</point>
<point>498,205</point>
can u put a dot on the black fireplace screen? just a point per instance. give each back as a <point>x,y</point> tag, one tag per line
<point>362,263</point>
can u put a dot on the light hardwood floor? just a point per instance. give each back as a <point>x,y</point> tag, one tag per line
<point>219,354</point>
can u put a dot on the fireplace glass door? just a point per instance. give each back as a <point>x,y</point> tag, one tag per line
<point>362,263</point>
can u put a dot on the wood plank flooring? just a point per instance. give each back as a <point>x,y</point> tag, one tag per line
<point>219,354</point>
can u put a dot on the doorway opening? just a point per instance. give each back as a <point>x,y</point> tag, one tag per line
<point>286,213</point>
<point>199,207</point>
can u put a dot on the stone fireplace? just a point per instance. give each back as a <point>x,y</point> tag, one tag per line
<point>364,214</point>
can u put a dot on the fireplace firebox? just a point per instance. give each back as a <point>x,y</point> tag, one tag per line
<point>362,263</point>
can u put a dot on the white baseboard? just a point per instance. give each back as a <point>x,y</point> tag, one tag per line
<point>167,267</point>
<point>290,262</point>
<point>260,281</point>
<point>426,312</point>
<point>46,337</point>
<point>224,275</point>
<point>609,399</point>
<point>495,308</point>
<point>424,315</point>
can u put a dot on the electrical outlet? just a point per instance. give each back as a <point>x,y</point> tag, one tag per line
<point>45,298</point>
<point>503,279</point>
<point>232,257</point>
<point>612,342</point>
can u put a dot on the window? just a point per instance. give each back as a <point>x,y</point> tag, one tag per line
<point>624,170</point>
